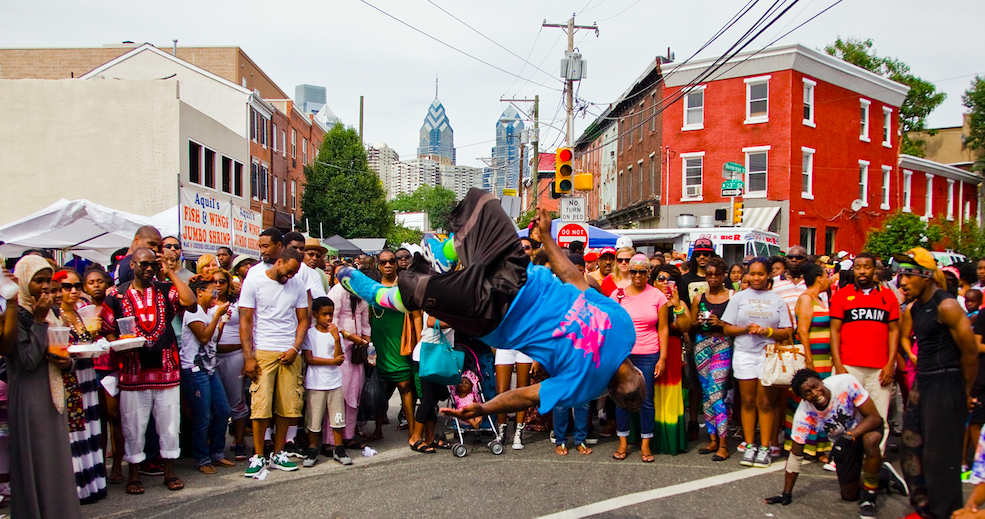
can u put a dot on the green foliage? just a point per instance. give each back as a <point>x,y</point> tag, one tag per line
<point>399,234</point>
<point>341,191</point>
<point>922,99</point>
<point>436,201</point>
<point>527,216</point>
<point>964,238</point>
<point>899,233</point>
<point>974,100</point>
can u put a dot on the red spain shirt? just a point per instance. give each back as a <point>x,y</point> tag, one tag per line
<point>865,322</point>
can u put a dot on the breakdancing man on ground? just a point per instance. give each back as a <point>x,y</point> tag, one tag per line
<point>580,337</point>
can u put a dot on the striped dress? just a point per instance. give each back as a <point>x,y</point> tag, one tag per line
<point>669,428</point>
<point>84,429</point>
<point>820,336</point>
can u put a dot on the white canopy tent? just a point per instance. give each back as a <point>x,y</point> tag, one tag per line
<point>86,229</point>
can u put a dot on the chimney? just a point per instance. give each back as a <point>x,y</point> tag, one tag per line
<point>174,49</point>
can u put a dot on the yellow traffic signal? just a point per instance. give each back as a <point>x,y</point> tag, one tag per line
<point>737,212</point>
<point>584,182</point>
<point>563,172</point>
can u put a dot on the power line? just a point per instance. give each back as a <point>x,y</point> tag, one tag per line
<point>623,11</point>
<point>452,47</point>
<point>532,47</point>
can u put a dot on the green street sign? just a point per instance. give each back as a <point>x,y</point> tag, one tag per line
<point>732,187</point>
<point>734,167</point>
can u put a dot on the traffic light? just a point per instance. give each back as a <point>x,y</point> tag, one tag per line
<point>563,172</point>
<point>737,212</point>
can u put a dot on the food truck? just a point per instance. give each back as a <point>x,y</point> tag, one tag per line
<point>731,243</point>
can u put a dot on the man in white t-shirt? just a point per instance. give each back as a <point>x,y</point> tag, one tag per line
<point>273,313</point>
<point>307,275</point>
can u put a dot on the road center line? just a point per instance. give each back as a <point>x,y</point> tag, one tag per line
<point>660,493</point>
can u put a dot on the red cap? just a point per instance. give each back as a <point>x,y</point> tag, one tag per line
<point>591,256</point>
<point>704,245</point>
<point>607,250</point>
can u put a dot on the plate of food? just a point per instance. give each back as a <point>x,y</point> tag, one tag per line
<point>127,344</point>
<point>86,350</point>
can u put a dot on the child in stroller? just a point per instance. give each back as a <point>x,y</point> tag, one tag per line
<point>466,393</point>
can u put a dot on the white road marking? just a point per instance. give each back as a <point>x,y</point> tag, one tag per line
<point>659,493</point>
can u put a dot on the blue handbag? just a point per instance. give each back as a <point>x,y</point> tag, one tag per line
<point>440,362</point>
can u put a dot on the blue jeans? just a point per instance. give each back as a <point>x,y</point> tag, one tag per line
<point>561,424</point>
<point>210,413</point>
<point>646,363</point>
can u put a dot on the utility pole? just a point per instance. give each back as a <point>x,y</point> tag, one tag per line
<point>569,94</point>
<point>534,139</point>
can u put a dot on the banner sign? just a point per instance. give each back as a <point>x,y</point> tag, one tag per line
<point>208,223</point>
<point>247,225</point>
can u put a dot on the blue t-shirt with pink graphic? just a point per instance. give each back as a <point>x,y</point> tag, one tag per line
<point>580,338</point>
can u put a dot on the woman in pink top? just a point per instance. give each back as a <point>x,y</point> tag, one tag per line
<point>647,306</point>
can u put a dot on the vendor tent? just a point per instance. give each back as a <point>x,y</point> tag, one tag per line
<point>344,246</point>
<point>81,227</point>
<point>369,245</point>
<point>596,237</point>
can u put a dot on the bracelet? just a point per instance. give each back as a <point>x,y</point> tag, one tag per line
<point>678,311</point>
<point>769,332</point>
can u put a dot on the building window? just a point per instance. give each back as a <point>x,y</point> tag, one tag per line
<point>253,124</point>
<point>653,112</point>
<point>887,126</point>
<point>967,210</point>
<point>757,99</point>
<point>264,177</point>
<point>809,102</point>
<point>807,173</point>
<point>294,194</point>
<point>294,143</point>
<point>886,173</point>
<point>653,175</point>
<point>829,239</point>
<point>863,182</point>
<point>864,126</point>
<point>273,136</point>
<point>264,125</point>
<point>907,189</point>
<point>209,167</point>
<point>808,239</point>
<point>283,143</point>
<point>194,163</point>
<point>237,179</point>
<point>304,151</point>
<point>639,124</point>
<point>950,199</point>
<point>756,171</point>
<point>283,192</point>
<point>226,175</point>
<point>255,181</point>
<point>694,109</point>
<point>693,166</point>
<point>929,197</point>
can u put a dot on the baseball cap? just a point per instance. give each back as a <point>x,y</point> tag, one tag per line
<point>624,241</point>
<point>591,256</point>
<point>916,261</point>
<point>703,245</point>
<point>607,250</point>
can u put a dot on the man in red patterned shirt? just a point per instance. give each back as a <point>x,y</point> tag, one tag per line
<point>150,375</point>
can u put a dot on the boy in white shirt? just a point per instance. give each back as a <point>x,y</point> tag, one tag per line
<point>323,382</point>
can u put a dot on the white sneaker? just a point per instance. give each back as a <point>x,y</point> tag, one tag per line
<point>257,463</point>
<point>501,429</point>
<point>283,462</point>
<point>830,466</point>
<point>517,437</point>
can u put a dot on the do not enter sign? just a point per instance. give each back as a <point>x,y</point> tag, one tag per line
<point>570,232</point>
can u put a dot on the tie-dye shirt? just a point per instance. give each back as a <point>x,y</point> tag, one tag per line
<point>580,338</point>
<point>841,415</point>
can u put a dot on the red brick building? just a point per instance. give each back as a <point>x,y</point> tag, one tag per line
<point>935,190</point>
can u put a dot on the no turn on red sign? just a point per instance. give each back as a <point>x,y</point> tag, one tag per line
<point>569,232</point>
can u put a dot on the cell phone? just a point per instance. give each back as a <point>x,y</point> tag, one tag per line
<point>671,284</point>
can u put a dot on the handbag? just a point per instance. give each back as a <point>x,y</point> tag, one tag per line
<point>358,354</point>
<point>782,361</point>
<point>440,362</point>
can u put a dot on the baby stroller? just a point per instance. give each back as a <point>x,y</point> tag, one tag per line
<point>487,425</point>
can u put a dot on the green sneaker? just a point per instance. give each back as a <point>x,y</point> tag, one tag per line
<point>966,477</point>
<point>283,462</point>
<point>257,463</point>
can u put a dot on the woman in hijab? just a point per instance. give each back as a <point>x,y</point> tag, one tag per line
<point>41,461</point>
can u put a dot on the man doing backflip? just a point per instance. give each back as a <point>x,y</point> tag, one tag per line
<point>581,338</point>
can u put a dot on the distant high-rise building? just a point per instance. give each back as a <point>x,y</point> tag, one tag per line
<point>383,160</point>
<point>437,137</point>
<point>506,154</point>
<point>309,98</point>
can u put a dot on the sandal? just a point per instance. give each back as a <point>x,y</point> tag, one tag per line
<point>647,458</point>
<point>712,447</point>
<point>619,455</point>
<point>353,445</point>
<point>584,449</point>
<point>440,444</point>
<point>224,463</point>
<point>208,469</point>
<point>174,483</point>
<point>718,455</point>
<point>561,449</point>
<point>135,488</point>
<point>420,446</point>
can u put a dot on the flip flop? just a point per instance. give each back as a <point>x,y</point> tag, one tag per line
<point>647,458</point>
<point>135,488</point>
<point>208,470</point>
<point>174,483</point>
<point>420,446</point>
<point>561,449</point>
<point>619,455</point>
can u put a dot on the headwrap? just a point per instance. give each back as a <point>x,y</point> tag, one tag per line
<point>639,262</point>
<point>25,269</point>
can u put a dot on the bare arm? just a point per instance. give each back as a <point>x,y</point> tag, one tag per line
<point>519,399</point>
<point>836,347</point>
<point>300,333</point>
<point>663,333</point>
<point>805,314</point>
<point>560,264</point>
<point>906,328</point>
<point>889,370</point>
<point>951,315</point>
<point>204,332</point>
<point>250,368</point>
<point>186,296</point>
<point>871,421</point>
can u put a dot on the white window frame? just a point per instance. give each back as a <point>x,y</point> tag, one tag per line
<point>967,210</point>
<point>863,181</point>
<point>294,143</point>
<point>685,197</point>
<point>294,194</point>
<point>809,87</point>
<point>275,190</point>
<point>929,197</point>
<point>255,170</point>
<point>273,134</point>
<point>864,104</point>
<point>809,194</point>
<point>907,189</point>
<point>887,127</point>
<point>699,125</point>
<point>750,81</point>
<point>304,151</point>
<point>747,151</point>
<point>283,143</point>
<point>887,172</point>
<point>950,199</point>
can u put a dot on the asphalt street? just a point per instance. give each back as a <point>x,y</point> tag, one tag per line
<point>534,482</point>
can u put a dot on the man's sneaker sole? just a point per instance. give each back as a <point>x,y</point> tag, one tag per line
<point>897,479</point>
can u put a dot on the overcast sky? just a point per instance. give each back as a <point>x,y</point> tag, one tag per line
<point>354,49</point>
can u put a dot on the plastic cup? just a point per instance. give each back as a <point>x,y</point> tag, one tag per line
<point>58,340</point>
<point>8,288</point>
<point>90,318</point>
<point>128,327</point>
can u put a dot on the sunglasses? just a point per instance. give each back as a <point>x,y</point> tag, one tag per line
<point>662,279</point>
<point>638,272</point>
<point>222,282</point>
<point>172,246</point>
<point>623,260</point>
<point>70,286</point>
<point>144,265</point>
<point>702,253</point>
<point>527,247</point>
<point>388,261</point>
<point>404,257</point>
<point>797,257</point>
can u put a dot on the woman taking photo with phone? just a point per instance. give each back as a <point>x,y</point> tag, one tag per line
<point>670,430</point>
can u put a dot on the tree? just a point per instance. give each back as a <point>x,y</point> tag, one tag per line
<point>974,100</point>
<point>436,201</point>
<point>399,234</point>
<point>920,101</point>
<point>964,238</point>
<point>341,191</point>
<point>527,216</point>
<point>899,233</point>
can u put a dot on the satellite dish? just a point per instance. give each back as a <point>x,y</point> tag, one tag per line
<point>857,205</point>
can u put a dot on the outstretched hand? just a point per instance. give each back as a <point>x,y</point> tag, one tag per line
<point>543,223</point>
<point>466,413</point>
